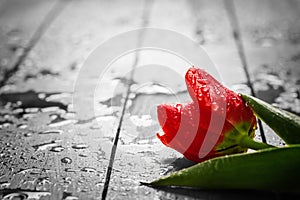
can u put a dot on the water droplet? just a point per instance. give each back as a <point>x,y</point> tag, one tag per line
<point>44,146</point>
<point>207,104</point>
<point>67,180</point>
<point>205,89</point>
<point>201,81</point>
<point>144,175</point>
<point>237,103</point>
<point>22,126</point>
<point>41,95</point>
<point>27,134</point>
<point>215,106</point>
<point>32,110</point>
<point>114,188</point>
<point>42,183</point>
<point>267,41</point>
<point>57,149</point>
<point>52,132</point>
<point>241,88</point>
<point>4,185</point>
<point>30,170</point>
<point>6,124</point>
<point>50,109</point>
<point>200,96</point>
<point>36,194</point>
<point>71,170</point>
<point>17,195</point>
<point>64,122</point>
<point>123,176</point>
<point>99,184</point>
<point>18,111</point>
<point>80,146</point>
<point>66,160</point>
<point>43,180</point>
<point>29,116</point>
<point>59,96</point>
<point>88,169</point>
<point>53,116</point>
<point>94,127</point>
<point>71,198</point>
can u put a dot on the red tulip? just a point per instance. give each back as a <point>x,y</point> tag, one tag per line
<point>217,122</point>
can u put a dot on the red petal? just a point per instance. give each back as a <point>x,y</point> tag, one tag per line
<point>215,110</point>
<point>169,116</point>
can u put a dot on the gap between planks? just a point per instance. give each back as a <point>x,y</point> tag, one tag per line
<point>145,21</point>
<point>236,31</point>
<point>19,58</point>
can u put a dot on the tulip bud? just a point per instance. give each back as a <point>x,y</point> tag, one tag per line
<point>217,122</point>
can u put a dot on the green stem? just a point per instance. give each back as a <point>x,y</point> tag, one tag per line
<point>247,142</point>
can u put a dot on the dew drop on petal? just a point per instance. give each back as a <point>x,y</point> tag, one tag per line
<point>214,106</point>
<point>223,98</point>
<point>237,103</point>
<point>205,89</point>
<point>201,81</point>
<point>199,96</point>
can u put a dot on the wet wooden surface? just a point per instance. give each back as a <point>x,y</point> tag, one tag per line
<point>48,152</point>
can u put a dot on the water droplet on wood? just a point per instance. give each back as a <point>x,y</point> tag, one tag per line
<point>52,132</point>
<point>71,198</point>
<point>22,126</point>
<point>27,134</point>
<point>44,146</point>
<point>66,160</point>
<point>80,146</point>
<point>88,169</point>
<point>17,195</point>
<point>57,149</point>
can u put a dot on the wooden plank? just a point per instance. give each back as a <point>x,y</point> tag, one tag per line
<point>213,31</point>
<point>140,156</point>
<point>79,29</point>
<point>53,66</point>
<point>270,31</point>
<point>20,26</point>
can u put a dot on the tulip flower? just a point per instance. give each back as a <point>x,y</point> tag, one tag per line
<point>217,122</point>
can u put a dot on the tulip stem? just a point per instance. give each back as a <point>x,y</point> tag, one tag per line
<point>247,142</point>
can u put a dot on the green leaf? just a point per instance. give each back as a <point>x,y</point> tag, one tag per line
<point>285,124</point>
<point>268,169</point>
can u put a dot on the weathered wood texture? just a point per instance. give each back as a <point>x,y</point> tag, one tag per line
<point>72,161</point>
